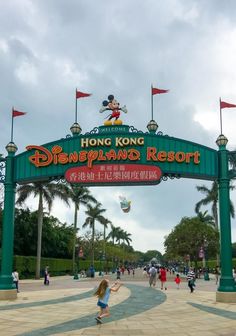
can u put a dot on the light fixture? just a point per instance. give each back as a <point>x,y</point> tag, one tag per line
<point>152,126</point>
<point>75,129</point>
<point>221,140</point>
<point>11,147</point>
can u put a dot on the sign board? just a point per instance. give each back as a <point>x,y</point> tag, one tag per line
<point>116,155</point>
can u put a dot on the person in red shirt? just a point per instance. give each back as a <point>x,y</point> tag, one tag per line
<point>177,280</point>
<point>162,277</point>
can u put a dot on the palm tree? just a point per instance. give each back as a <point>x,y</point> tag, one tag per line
<point>114,234</point>
<point>212,198</point>
<point>94,214</point>
<point>206,218</point>
<point>125,237</point>
<point>232,161</point>
<point>105,223</point>
<point>46,192</point>
<point>78,195</point>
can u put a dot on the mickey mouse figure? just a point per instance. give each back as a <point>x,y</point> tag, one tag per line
<point>112,105</point>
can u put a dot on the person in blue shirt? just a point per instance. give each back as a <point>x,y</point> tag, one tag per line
<point>103,293</point>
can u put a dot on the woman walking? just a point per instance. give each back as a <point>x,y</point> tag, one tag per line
<point>162,277</point>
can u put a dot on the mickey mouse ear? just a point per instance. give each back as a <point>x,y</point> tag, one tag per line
<point>105,103</point>
<point>110,97</point>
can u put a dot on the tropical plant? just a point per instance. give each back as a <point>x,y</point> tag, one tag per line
<point>211,197</point>
<point>125,237</point>
<point>206,218</point>
<point>105,223</point>
<point>94,214</point>
<point>79,196</point>
<point>46,193</point>
<point>114,234</point>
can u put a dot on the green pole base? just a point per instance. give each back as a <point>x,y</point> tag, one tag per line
<point>227,284</point>
<point>6,282</point>
<point>76,277</point>
<point>206,276</point>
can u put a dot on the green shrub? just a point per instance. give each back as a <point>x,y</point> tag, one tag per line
<point>26,266</point>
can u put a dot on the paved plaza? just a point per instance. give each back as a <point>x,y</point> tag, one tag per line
<point>68,307</point>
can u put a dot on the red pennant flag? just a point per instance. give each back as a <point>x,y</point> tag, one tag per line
<point>80,94</point>
<point>224,105</point>
<point>158,91</point>
<point>16,113</point>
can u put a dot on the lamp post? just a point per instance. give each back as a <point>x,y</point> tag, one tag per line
<point>227,284</point>
<point>206,274</point>
<point>152,126</point>
<point>80,255</point>
<point>7,289</point>
<point>75,266</point>
<point>75,129</point>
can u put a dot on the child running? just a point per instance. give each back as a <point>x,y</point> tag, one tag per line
<point>103,293</point>
<point>177,280</point>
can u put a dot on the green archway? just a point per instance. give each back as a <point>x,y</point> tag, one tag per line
<point>118,155</point>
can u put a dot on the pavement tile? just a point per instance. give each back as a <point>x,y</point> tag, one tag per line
<point>135,310</point>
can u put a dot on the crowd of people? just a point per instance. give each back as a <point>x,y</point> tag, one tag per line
<point>153,272</point>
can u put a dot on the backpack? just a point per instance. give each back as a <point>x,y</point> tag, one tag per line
<point>153,271</point>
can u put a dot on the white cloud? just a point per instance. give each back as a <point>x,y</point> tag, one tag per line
<point>27,73</point>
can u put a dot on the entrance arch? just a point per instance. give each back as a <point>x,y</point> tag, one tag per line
<point>118,155</point>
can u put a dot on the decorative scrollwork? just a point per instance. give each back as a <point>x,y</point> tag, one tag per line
<point>165,177</point>
<point>58,179</point>
<point>68,136</point>
<point>132,129</point>
<point>95,130</point>
<point>2,171</point>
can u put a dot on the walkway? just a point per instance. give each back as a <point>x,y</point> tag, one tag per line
<point>68,307</point>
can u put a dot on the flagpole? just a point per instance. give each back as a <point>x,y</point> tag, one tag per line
<point>75,105</point>
<point>151,102</point>
<point>220,119</point>
<point>12,124</point>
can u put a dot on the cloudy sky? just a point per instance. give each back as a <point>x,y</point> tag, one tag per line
<point>50,47</point>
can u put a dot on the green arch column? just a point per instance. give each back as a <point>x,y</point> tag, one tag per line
<point>227,283</point>
<point>7,288</point>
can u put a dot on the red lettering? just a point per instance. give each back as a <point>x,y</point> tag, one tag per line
<point>151,152</point>
<point>162,156</point>
<point>42,156</point>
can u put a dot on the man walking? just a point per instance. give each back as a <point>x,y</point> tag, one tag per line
<point>191,279</point>
<point>152,276</point>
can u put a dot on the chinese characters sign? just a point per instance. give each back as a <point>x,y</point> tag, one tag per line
<point>114,173</point>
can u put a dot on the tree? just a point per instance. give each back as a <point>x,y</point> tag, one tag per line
<point>205,218</point>
<point>188,236</point>
<point>105,223</point>
<point>56,236</point>
<point>212,198</point>
<point>46,193</point>
<point>150,254</point>
<point>234,250</point>
<point>79,196</point>
<point>94,214</point>
<point>114,234</point>
<point>125,236</point>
